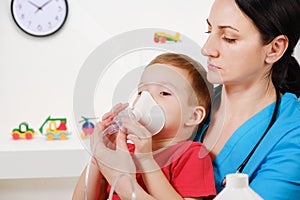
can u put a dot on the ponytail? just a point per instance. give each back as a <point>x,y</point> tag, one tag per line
<point>286,75</point>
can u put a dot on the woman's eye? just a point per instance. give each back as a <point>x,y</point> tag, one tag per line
<point>208,32</point>
<point>229,40</point>
<point>165,93</point>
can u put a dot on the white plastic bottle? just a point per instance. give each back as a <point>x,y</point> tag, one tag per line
<point>237,187</point>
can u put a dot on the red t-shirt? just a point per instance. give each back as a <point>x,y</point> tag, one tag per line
<point>187,166</point>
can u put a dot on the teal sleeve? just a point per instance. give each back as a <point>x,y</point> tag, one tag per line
<point>278,177</point>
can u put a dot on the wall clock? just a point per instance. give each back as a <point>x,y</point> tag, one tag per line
<point>39,17</point>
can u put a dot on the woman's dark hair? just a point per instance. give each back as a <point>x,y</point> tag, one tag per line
<point>274,18</point>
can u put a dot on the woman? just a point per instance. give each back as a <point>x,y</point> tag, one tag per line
<point>256,114</point>
<point>249,52</point>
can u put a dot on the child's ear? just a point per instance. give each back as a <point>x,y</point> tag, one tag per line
<point>276,48</point>
<point>196,116</point>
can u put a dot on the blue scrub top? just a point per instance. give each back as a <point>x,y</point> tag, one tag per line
<point>274,168</point>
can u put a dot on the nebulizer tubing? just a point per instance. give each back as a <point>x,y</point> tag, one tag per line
<point>112,129</point>
<point>148,113</point>
<point>87,172</point>
<point>111,192</point>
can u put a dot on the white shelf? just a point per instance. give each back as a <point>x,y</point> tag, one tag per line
<point>40,158</point>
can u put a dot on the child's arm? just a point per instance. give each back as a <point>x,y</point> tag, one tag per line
<point>157,184</point>
<point>123,188</point>
<point>96,188</point>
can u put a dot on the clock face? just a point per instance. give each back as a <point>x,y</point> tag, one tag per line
<point>39,17</point>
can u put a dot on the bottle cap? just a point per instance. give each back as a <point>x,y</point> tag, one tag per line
<point>237,180</point>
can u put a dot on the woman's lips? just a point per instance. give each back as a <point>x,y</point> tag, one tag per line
<point>213,67</point>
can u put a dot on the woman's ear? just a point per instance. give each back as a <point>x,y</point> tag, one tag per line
<point>196,116</point>
<point>276,48</point>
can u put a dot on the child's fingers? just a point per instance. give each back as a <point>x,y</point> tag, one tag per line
<point>114,111</point>
<point>135,139</point>
<point>121,142</point>
<point>99,127</point>
<point>134,127</point>
<point>108,115</point>
<point>118,108</point>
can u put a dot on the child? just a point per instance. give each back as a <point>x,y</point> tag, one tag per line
<point>177,83</point>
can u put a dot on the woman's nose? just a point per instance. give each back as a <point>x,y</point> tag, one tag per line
<point>210,49</point>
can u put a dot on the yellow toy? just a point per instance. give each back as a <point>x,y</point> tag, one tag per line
<point>164,37</point>
<point>54,132</point>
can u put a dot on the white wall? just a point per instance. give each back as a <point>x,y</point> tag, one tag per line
<point>37,75</point>
<point>37,78</point>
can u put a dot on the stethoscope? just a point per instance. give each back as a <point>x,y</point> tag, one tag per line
<point>273,119</point>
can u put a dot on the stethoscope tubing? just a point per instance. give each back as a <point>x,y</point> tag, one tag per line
<point>272,121</point>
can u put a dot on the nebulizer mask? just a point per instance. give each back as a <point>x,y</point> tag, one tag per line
<point>148,113</point>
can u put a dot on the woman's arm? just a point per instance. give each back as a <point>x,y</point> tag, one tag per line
<point>278,176</point>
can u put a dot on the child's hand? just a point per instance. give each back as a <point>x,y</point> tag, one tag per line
<point>107,120</point>
<point>142,140</point>
<point>138,134</point>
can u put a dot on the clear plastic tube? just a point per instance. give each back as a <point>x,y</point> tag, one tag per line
<point>133,194</point>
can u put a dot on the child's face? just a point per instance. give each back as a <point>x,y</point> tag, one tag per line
<point>171,89</point>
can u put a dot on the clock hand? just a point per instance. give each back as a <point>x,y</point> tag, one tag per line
<point>45,4</point>
<point>30,2</point>
<point>38,8</point>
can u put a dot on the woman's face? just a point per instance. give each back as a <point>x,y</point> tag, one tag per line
<point>234,48</point>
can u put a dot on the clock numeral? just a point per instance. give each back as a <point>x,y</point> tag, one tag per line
<point>39,17</point>
<point>19,6</point>
<point>39,27</point>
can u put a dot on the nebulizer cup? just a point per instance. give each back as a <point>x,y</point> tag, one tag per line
<point>147,112</point>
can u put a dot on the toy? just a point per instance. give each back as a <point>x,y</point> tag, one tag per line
<point>164,37</point>
<point>23,132</point>
<point>54,132</point>
<point>87,127</point>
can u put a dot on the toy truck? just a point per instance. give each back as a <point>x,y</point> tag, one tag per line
<point>54,132</point>
<point>22,132</point>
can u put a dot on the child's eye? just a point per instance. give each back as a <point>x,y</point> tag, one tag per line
<point>165,93</point>
<point>139,93</point>
<point>229,40</point>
